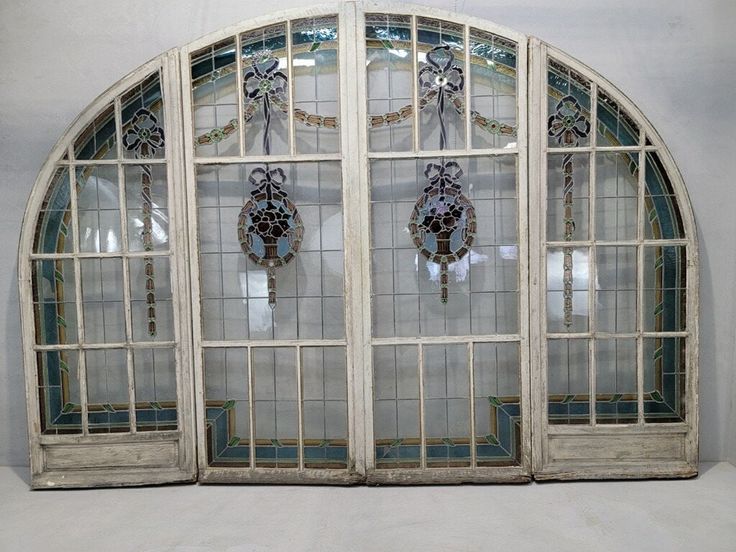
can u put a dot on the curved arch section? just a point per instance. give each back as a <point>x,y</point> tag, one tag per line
<point>618,320</point>
<point>100,283</point>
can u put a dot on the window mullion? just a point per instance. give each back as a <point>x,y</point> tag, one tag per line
<point>592,323</point>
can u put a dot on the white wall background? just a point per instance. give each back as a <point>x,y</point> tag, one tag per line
<point>676,59</point>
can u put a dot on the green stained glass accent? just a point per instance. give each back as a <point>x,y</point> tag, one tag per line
<point>228,405</point>
<point>658,309</point>
<point>495,401</point>
<point>656,396</point>
<point>315,46</point>
<point>156,405</point>
<point>68,407</point>
<point>568,399</point>
<point>324,443</point>
<point>652,215</point>
<point>395,443</point>
<point>276,443</point>
<point>658,353</point>
<point>58,275</point>
<point>63,229</point>
<point>659,262</point>
<point>60,321</point>
<point>108,407</point>
<point>491,439</point>
<point>387,44</point>
<point>64,366</point>
<point>616,397</point>
<point>449,442</point>
<point>234,442</point>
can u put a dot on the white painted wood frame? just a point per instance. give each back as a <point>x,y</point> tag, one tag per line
<point>549,451</point>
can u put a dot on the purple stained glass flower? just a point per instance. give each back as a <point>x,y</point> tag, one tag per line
<point>263,80</point>
<point>440,71</point>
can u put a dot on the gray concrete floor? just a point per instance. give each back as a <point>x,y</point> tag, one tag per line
<point>697,514</point>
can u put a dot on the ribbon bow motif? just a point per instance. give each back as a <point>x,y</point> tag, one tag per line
<point>568,124</point>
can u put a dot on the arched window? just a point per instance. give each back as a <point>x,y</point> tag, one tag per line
<point>360,242</point>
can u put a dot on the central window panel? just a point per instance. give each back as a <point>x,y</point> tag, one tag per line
<point>445,249</point>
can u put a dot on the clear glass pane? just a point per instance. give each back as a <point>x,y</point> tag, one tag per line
<point>615,382</point>
<point>215,100</point>
<point>98,140</point>
<point>568,106</point>
<point>616,191</point>
<point>568,196</point>
<point>615,296</point>
<point>325,403</point>
<point>98,204</point>
<point>482,284</point>
<point>389,75</point>
<point>276,407</point>
<point>155,389</point>
<point>441,76</point>
<point>54,305</point>
<point>497,404</point>
<point>102,300</point>
<point>309,290</point>
<point>568,368</point>
<point>396,406</point>
<point>227,405</point>
<point>662,219</point>
<point>315,73</point>
<point>665,286</point>
<point>567,289</point>
<point>664,379</point>
<point>615,126</point>
<point>146,192</point>
<point>54,230</point>
<point>492,90</point>
<point>58,392</point>
<point>266,90</point>
<point>142,114</point>
<point>107,390</point>
<point>447,405</point>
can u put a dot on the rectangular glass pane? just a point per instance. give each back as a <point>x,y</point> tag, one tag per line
<point>482,284</point>
<point>54,230</point>
<point>308,285</point>
<point>155,389</point>
<point>664,379</point>
<point>492,90</point>
<point>447,405</point>
<point>396,406</point>
<point>215,100</point>
<point>567,289</point>
<point>151,303</point>
<point>276,407</point>
<point>441,74</point>
<point>227,405</point>
<point>316,90</point>
<point>98,206</point>
<point>497,404</point>
<point>102,300</point>
<point>58,392</point>
<point>568,196</point>
<point>616,191</point>
<point>616,290</point>
<point>615,382</point>
<point>389,75</point>
<point>325,404</point>
<point>55,308</point>
<point>146,193</point>
<point>107,390</point>
<point>568,368</point>
<point>665,285</point>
